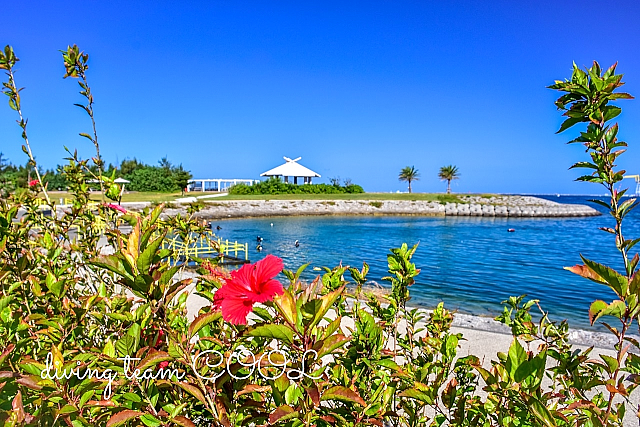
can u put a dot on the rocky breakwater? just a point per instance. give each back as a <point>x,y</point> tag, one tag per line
<point>496,206</point>
<point>515,206</point>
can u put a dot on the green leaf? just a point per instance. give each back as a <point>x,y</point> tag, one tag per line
<point>327,302</point>
<point>612,362</point>
<point>611,111</point>
<point>328,345</point>
<point>203,320</point>
<point>150,420</point>
<point>147,256</point>
<point>132,397</point>
<point>109,350</point>
<point>615,309</point>
<point>541,412</point>
<point>568,123</point>
<point>416,394</point>
<point>279,332</point>
<point>596,310</point>
<point>86,135</point>
<point>618,283</point>
<point>516,356</point>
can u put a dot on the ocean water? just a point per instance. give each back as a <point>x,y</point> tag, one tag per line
<point>470,263</point>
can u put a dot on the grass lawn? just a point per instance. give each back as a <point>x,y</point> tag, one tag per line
<point>454,198</point>
<point>127,197</point>
<point>168,197</point>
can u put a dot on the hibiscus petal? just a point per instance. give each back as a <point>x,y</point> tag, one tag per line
<point>267,268</point>
<point>235,310</point>
<point>242,277</point>
<point>267,291</point>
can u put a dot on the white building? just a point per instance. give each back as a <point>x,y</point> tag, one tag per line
<point>294,169</point>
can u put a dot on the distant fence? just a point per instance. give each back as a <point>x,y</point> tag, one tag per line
<point>207,245</point>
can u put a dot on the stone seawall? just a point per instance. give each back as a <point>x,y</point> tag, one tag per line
<point>497,206</point>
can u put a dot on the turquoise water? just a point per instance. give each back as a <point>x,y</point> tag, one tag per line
<point>470,263</point>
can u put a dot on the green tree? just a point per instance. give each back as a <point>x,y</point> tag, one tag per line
<point>165,163</point>
<point>449,173</point>
<point>128,166</point>
<point>409,173</point>
<point>181,178</point>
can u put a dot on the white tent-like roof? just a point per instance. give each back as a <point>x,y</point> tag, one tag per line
<point>291,168</point>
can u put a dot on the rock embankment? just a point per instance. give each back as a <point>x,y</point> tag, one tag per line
<point>496,206</point>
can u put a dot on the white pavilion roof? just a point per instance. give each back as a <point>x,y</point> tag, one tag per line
<point>291,168</point>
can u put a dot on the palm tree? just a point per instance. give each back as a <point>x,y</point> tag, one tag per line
<point>449,173</point>
<point>409,174</point>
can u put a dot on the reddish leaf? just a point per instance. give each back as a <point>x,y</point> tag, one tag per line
<point>250,388</point>
<point>153,359</point>
<point>6,352</point>
<point>101,403</point>
<point>29,382</point>
<point>586,272</point>
<point>193,390</point>
<point>344,394</point>
<point>312,390</point>
<point>280,413</point>
<point>121,418</point>
<point>17,407</point>
<point>581,404</point>
<point>183,422</point>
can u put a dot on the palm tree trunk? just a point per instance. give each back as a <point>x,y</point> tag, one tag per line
<point>409,186</point>
<point>448,186</point>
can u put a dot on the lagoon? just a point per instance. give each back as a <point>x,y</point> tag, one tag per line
<point>470,263</point>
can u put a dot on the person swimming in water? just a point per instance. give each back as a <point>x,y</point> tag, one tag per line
<point>259,239</point>
<point>218,228</point>
<point>259,247</point>
<point>297,243</point>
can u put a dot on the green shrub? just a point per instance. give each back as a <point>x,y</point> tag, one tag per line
<point>274,185</point>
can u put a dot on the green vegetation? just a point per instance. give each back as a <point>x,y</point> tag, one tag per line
<point>148,178</point>
<point>449,173</point>
<point>376,204</point>
<point>436,197</point>
<point>63,314</point>
<point>274,185</point>
<point>409,174</point>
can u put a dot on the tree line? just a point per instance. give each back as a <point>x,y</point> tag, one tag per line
<point>163,177</point>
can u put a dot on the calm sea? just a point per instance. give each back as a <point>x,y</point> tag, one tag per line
<point>470,263</point>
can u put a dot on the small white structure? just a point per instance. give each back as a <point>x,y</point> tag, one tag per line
<point>294,169</point>
<point>215,184</point>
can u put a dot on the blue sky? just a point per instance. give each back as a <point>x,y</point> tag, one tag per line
<point>358,90</point>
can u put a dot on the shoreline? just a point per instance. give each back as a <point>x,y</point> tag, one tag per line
<point>474,328</point>
<point>472,206</point>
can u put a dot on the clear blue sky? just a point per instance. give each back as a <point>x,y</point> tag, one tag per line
<point>358,90</point>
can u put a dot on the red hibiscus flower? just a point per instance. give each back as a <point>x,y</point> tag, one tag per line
<point>163,364</point>
<point>252,283</point>
<point>33,183</point>
<point>117,208</point>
